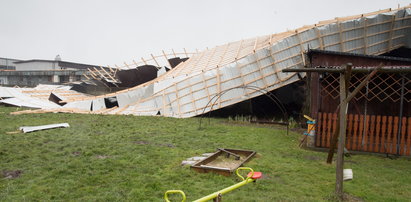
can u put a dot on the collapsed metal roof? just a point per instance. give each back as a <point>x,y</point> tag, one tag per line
<point>186,90</point>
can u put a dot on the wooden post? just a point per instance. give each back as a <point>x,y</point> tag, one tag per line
<point>342,129</point>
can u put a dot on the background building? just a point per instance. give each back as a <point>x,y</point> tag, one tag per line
<point>33,72</point>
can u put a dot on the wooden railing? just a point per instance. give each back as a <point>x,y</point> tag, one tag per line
<point>380,134</point>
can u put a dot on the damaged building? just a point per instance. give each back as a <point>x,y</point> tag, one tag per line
<point>239,71</point>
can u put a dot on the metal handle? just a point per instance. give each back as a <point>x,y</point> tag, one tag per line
<point>244,168</point>
<point>174,192</point>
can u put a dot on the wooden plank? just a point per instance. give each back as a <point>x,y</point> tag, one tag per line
<point>319,125</point>
<point>329,129</point>
<point>365,31</point>
<point>360,133</point>
<point>372,134</point>
<point>355,132</point>
<point>391,33</point>
<point>366,133</point>
<point>185,52</point>
<point>388,144</point>
<point>334,125</point>
<point>324,132</point>
<point>238,50</point>
<point>377,145</point>
<point>394,135</point>
<point>154,58</point>
<point>403,135</point>
<point>164,54</point>
<point>408,137</point>
<point>320,38</point>
<point>383,134</point>
<point>350,121</point>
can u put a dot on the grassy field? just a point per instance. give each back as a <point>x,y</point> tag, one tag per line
<point>129,158</point>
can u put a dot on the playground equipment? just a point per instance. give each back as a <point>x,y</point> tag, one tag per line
<point>310,126</point>
<point>310,131</point>
<point>251,177</point>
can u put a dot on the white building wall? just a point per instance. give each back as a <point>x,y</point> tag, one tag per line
<point>37,65</point>
<point>3,80</point>
<point>7,62</point>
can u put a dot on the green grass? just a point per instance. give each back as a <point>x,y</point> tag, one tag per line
<point>143,156</point>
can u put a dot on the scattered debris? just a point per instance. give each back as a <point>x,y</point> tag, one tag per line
<point>13,132</point>
<point>183,163</point>
<point>11,174</point>
<point>192,160</point>
<point>141,142</point>
<point>102,156</point>
<point>166,145</point>
<point>348,175</point>
<point>228,153</point>
<point>27,129</point>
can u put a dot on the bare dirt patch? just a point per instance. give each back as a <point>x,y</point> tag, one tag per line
<point>142,142</point>
<point>11,174</point>
<point>313,158</point>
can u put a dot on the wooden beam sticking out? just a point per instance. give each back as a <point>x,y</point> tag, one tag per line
<point>135,63</point>
<point>142,59</point>
<point>85,75</point>
<point>185,52</point>
<point>128,67</point>
<point>238,50</point>
<point>109,75</point>
<point>101,74</point>
<point>271,39</point>
<point>255,44</point>
<point>92,74</point>
<point>174,53</point>
<point>165,56</point>
<point>152,56</point>
<point>111,69</point>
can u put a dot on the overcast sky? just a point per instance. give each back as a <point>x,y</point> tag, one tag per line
<point>104,32</point>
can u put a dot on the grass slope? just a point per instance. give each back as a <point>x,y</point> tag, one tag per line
<point>121,158</point>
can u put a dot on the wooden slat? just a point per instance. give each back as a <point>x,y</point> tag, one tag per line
<point>366,133</point>
<point>408,137</point>
<point>350,121</point>
<point>334,128</point>
<point>388,144</point>
<point>383,134</point>
<point>319,127</point>
<point>394,135</point>
<point>355,132</point>
<point>377,145</point>
<point>403,135</point>
<point>360,133</point>
<point>324,133</point>
<point>372,134</point>
<point>329,129</point>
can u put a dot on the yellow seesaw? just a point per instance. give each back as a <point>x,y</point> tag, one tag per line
<point>251,177</point>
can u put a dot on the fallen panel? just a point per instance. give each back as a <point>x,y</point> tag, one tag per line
<point>27,129</point>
